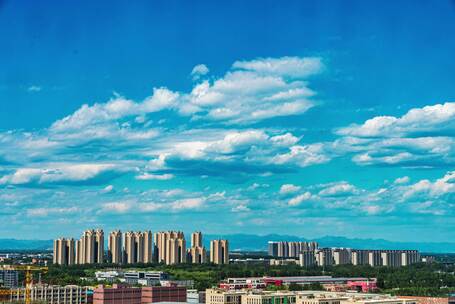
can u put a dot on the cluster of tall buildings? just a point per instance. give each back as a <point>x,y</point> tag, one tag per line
<point>309,254</point>
<point>168,247</point>
<point>290,249</point>
<point>89,249</point>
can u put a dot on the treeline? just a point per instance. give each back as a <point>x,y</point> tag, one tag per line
<point>418,280</point>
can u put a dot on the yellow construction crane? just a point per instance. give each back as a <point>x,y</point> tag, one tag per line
<point>28,269</point>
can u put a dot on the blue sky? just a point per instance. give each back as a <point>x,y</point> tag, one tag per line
<point>306,118</point>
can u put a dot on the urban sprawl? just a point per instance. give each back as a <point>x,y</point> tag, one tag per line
<point>114,283</point>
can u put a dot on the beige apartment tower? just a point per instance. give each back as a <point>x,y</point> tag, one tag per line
<point>64,251</point>
<point>148,247</point>
<point>197,253</point>
<point>90,248</point>
<point>196,239</point>
<point>175,251</point>
<point>115,250</point>
<point>130,256</point>
<point>171,247</point>
<point>219,252</point>
<point>138,247</point>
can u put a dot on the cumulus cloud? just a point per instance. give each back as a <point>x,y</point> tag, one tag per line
<point>199,71</point>
<point>433,119</point>
<point>342,188</point>
<point>402,180</point>
<point>423,137</point>
<point>440,187</point>
<point>299,199</point>
<point>148,176</point>
<point>289,188</point>
<point>286,66</point>
<point>117,207</point>
<point>303,156</point>
<point>115,109</point>
<point>59,174</point>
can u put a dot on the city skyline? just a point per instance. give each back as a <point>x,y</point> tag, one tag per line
<point>307,119</point>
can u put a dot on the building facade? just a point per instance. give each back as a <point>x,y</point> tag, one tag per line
<point>9,278</point>
<point>52,294</point>
<point>115,248</point>
<point>170,247</point>
<point>64,251</point>
<point>219,252</point>
<point>90,248</point>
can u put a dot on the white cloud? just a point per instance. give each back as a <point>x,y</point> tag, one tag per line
<point>116,108</point>
<point>285,66</point>
<point>402,180</point>
<point>148,176</point>
<point>299,199</point>
<point>429,119</point>
<point>289,188</point>
<point>199,70</point>
<point>341,188</point>
<point>34,88</point>
<point>240,208</point>
<point>188,203</point>
<point>303,156</point>
<point>117,207</point>
<point>285,140</point>
<point>43,212</point>
<point>107,189</point>
<point>440,187</point>
<point>58,173</point>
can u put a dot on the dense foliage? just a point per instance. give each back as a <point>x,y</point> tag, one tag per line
<point>435,279</point>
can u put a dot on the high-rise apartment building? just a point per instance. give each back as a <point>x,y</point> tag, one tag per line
<point>115,249</point>
<point>342,256</point>
<point>130,248</point>
<point>90,248</point>
<point>409,257</point>
<point>196,239</point>
<point>324,257</point>
<point>64,251</point>
<point>148,247</point>
<point>391,258</point>
<point>170,247</point>
<point>290,249</point>
<point>175,251</point>
<point>197,253</point>
<point>359,257</point>
<point>219,252</point>
<point>307,258</point>
<point>374,258</point>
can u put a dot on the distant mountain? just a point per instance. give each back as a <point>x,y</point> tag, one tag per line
<point>249,242</point>
<point>13,244</point>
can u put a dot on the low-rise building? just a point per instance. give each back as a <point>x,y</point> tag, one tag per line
<point>269,297</point>
<point>156,294</point>
<point>222,296</point>
<point>53,294</point>
<point>117,294</point>
<point>122,294</point>
<point>9,278</point>
<point>252,296</point>
<point>145,278</point>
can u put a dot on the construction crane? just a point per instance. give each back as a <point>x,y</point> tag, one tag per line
<point>29,270</point>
